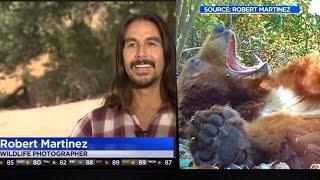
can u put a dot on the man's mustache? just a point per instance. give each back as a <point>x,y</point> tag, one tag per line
<point>143,61</point>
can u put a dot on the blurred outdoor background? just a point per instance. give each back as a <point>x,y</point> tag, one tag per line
<point>56,61</point>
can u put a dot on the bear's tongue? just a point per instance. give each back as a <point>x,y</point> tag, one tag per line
<point>236,66</point>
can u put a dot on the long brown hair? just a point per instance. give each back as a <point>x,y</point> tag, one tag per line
<point>120,94</point>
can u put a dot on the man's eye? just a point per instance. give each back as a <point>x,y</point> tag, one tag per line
<point>151,44</point>
<point>131,45</point>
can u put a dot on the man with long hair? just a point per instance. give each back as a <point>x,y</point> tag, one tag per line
<point>141,101</point>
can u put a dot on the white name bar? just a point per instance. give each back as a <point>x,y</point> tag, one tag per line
<point>88,154</point>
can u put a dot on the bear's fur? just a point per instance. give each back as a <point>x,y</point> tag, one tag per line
<point>281,112</point>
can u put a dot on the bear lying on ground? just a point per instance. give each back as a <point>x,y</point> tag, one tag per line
<point>237,114</point>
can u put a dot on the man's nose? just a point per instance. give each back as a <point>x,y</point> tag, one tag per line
<point>141,52</point>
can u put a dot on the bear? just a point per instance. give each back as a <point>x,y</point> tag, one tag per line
<point>236,114</point>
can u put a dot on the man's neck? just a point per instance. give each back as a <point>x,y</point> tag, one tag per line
<point>145,103</point>
<point>146,98</point>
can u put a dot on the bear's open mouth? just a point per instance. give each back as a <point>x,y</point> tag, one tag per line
<point>236,67</point>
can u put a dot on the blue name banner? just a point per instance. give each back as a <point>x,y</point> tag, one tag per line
<point>86,143</point>
<point>249,9</point>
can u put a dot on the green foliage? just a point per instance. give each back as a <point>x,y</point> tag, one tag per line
<point>185,19</point>
<point>276,38</point>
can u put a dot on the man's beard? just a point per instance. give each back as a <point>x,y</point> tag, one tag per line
<point>142,84</point>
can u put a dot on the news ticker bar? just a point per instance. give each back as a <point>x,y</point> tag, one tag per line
<point>87,162</point>
<point>87,154</point>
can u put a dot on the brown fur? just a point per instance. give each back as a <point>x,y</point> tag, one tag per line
<point>292,138</point>
<point>303,77</point>
<point>204,82</point>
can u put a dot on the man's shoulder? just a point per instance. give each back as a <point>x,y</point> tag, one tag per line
<point>167,108</point>
<point>101,109</point>
<point>100,113</point>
